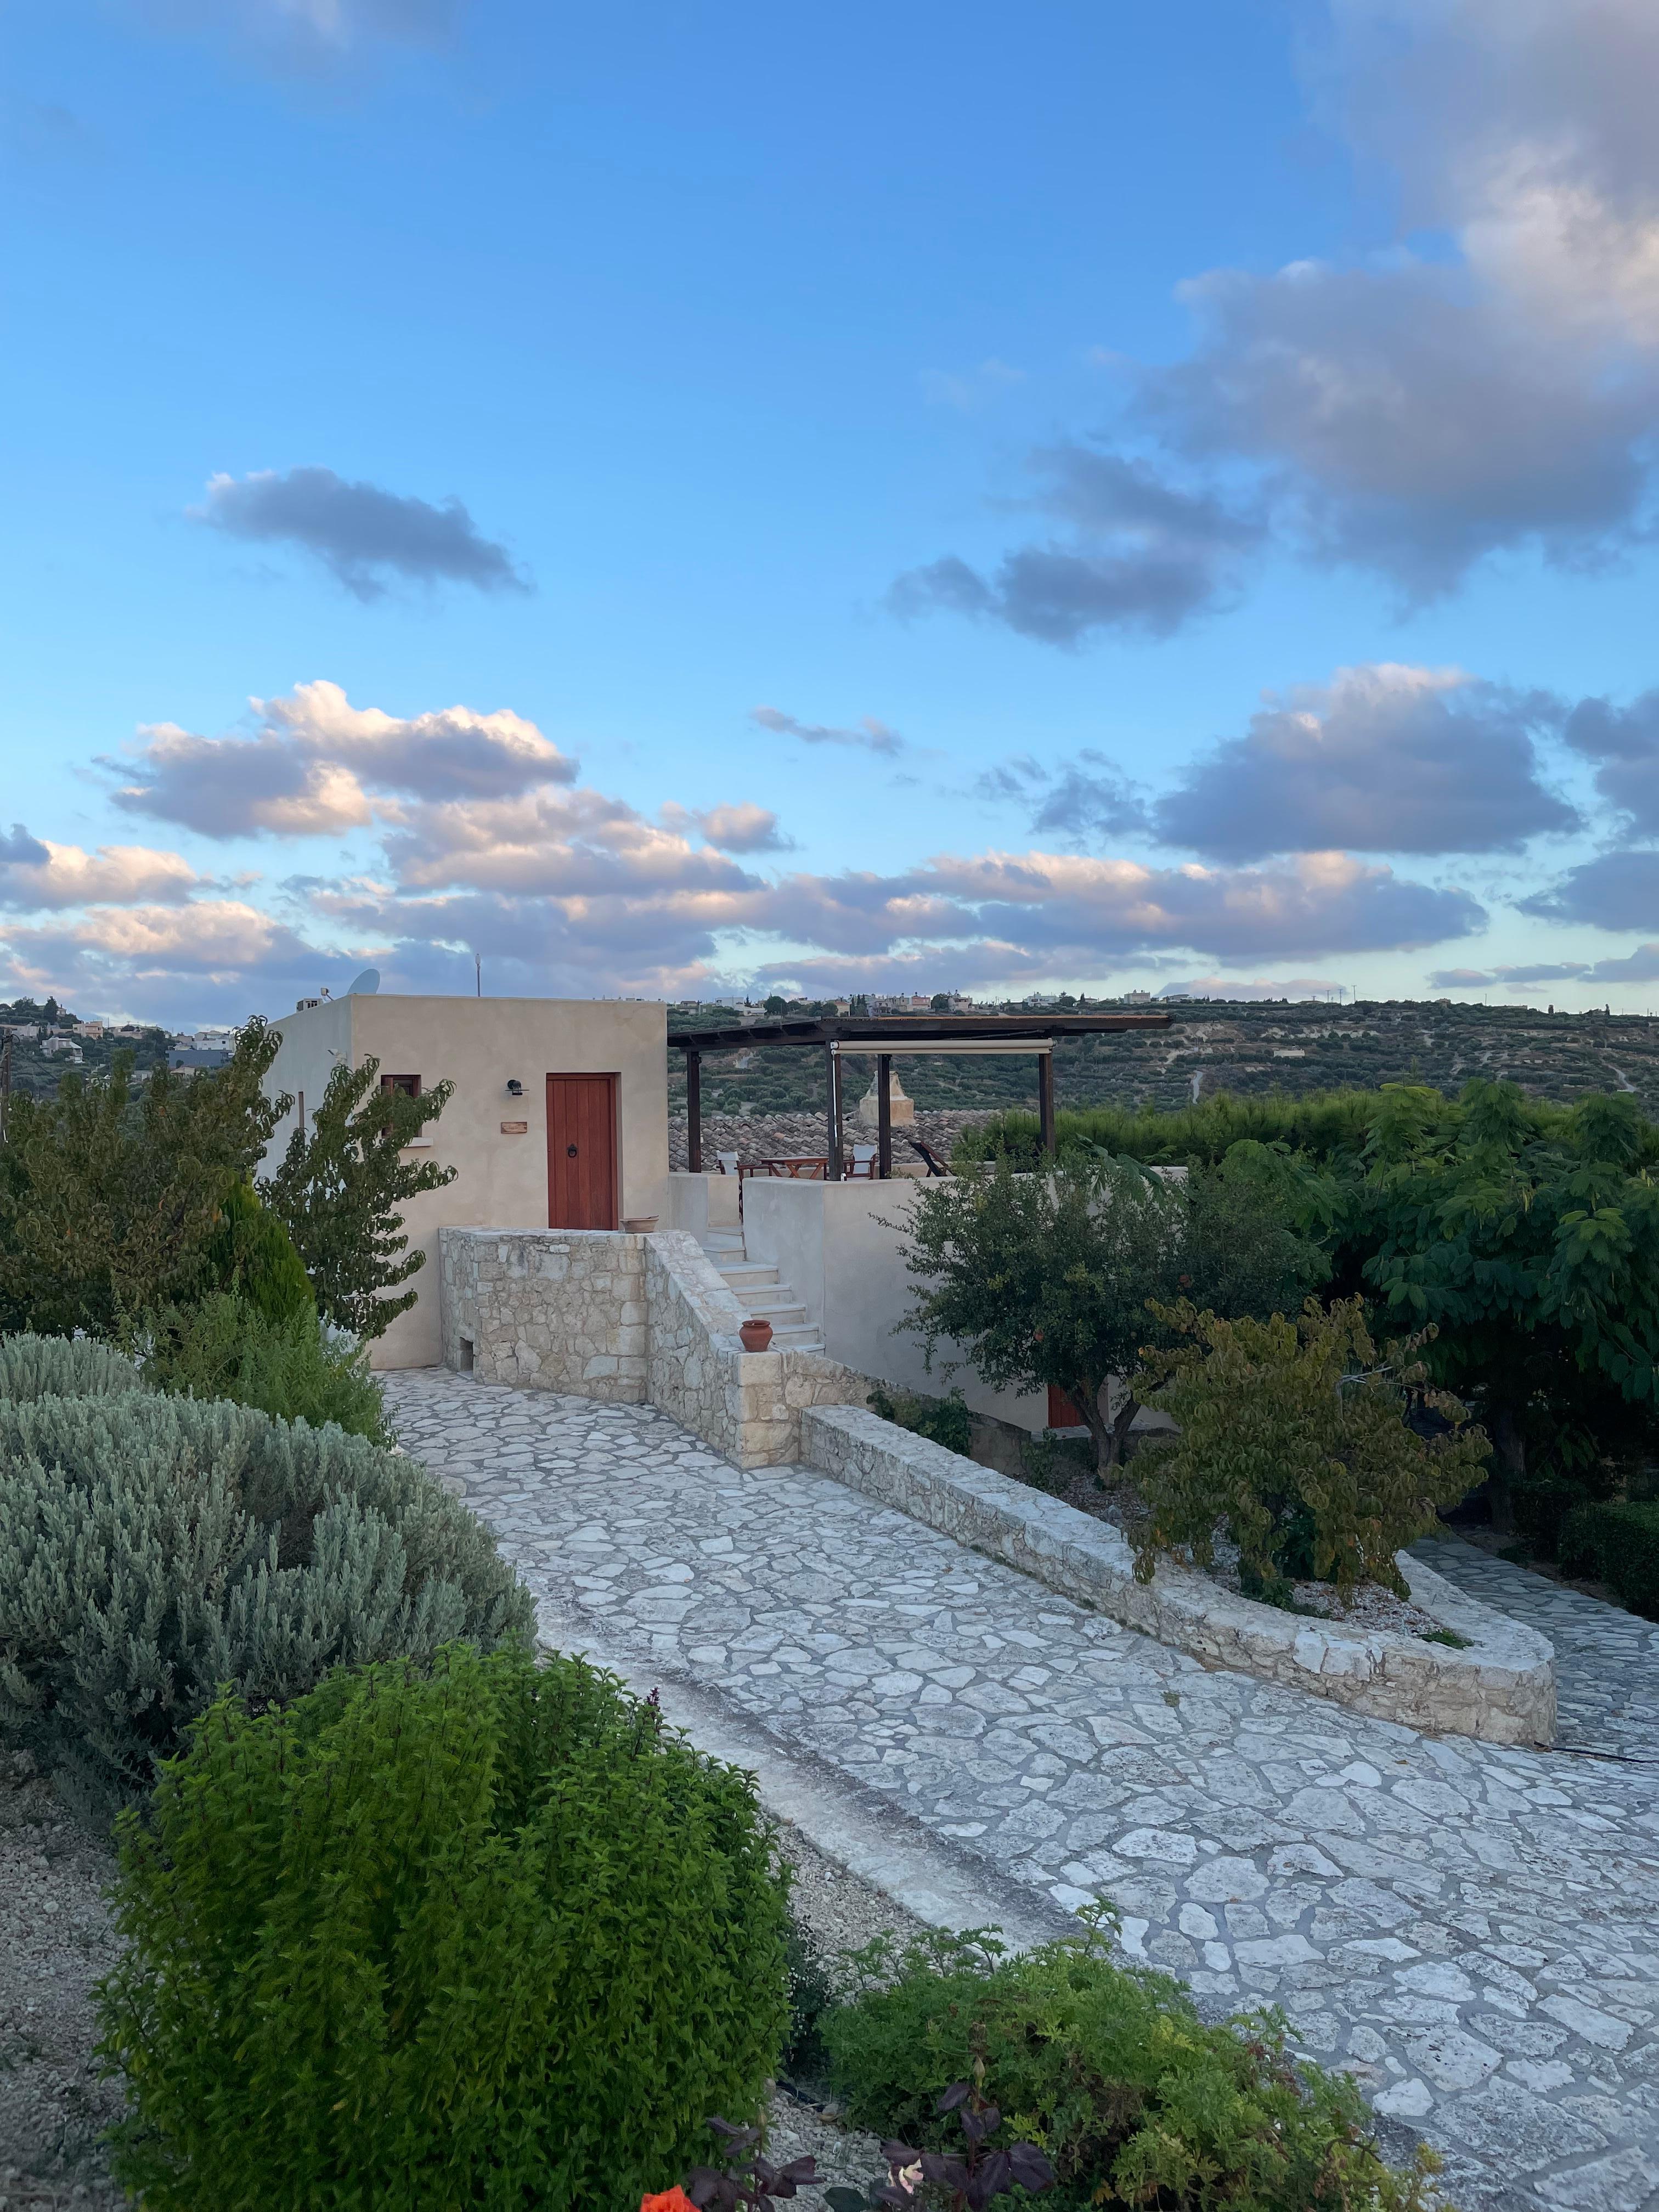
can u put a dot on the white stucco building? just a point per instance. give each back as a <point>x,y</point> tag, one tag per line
<point>559,1118</point>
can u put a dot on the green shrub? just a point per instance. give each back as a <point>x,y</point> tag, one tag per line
<point>811,1993</point>
<point>113,1193</point>
<point>256,1260</point>
<point>1293,1435</point>
<point>946,1421</point>
<point>65,1367</point>
<point>1540,1506</point>
<point>1133,2098</point>
<point>154,1548</point>
<point>1619,1545</point>
<point>226,1347</point>
<point>488,1935</point>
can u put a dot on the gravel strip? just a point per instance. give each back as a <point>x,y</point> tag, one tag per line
<point>55,1941</point>
<point>840,1910</point>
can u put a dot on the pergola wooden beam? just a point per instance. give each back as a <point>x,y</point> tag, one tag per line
<point>885,1039</point>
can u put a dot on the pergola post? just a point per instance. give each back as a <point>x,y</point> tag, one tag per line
<point>884,1115</point>
<point>1046,1101</point>
<point>694,1112</point>
<point>832,1070</point>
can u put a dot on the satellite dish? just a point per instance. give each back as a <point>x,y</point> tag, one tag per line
<point>365,985</point>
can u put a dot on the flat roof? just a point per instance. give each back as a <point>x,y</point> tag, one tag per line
<point>888,1033</point>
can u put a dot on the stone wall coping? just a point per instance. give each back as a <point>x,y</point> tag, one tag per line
<point>1501,1688</point>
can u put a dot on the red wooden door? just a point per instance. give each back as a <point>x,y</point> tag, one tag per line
<point>582,1151</point>
<point>1062,1413</point>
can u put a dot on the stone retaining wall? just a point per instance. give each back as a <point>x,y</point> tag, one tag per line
<point>546,1310</point>
<point>1501,1688</point>
<point>632,1320</point>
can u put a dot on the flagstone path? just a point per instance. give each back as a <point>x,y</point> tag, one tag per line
<point>1472,1931</point>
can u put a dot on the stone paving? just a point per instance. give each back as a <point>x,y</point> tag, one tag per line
<point>1470,1929</point>
<point>1607,1662</point>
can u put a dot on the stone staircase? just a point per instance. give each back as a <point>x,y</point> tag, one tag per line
<point>763,1290</point>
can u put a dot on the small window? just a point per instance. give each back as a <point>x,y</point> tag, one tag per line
<point>409,1084</point>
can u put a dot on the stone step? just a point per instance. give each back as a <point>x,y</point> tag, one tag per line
<point>752,1272</point>
<point>722,1240</point>
<point>783,1312</point>
<point>804,1339</point>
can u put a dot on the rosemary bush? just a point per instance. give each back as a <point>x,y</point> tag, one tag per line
<point>153,1548</point>
<point>487,1935</point>
<point>1133,2099</point>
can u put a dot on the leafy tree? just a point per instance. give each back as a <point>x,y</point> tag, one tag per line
<point>340,1190</point>
<point>1293,1435</point>
<point>112,1194</point>
<point>1532,1244</point>
<point>1041,1279</point>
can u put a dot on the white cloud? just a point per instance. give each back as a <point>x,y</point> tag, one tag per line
<point>360,532</point>
<point>1420,410</point>
<point>866,735</point>
<point>1223,987</point>
<point>1384,758</point>
<point>741,827</point>
<point>319,765</point>
<point>37,875</point>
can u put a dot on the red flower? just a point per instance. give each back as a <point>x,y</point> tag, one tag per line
<point>668,2200</point>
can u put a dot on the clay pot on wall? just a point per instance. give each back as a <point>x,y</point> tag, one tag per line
<point>755,1335</point>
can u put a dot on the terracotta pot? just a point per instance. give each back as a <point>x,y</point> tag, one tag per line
<point>640,1225</point>
<point>756,1335</point>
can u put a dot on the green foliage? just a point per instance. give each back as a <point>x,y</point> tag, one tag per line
<point>1527,1231</point>
<point>1049,1278</point>
<point>65,1367</point>
<point>811,1993</point>
<point>111,1195</point>
<point>488,1935</point>
<point>1617,1544</point>
<point>340,1189</point>
<point>153,1548</point>
<point>945,1421</point>
<point>227,1347</point>
<point>1330,1126</point>
<point>1294,1436</point>
<point>1134,2099</point>
<point>1530,1236</point>
<point>254,1259</point>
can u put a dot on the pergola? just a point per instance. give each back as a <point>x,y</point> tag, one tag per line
<point>888,1037</point>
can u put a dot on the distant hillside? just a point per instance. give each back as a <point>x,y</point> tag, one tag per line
<point>1245,1048</point>
<point>38,1074</point>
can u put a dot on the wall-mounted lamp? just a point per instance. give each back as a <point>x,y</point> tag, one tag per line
<point>514,1088</point>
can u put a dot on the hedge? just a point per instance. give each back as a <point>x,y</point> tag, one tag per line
<point>1619,1545</point>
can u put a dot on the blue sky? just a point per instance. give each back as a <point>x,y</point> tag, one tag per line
<point>680,498</point>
